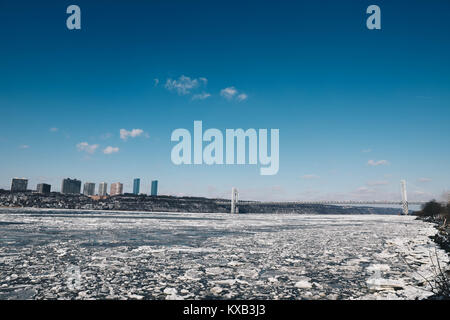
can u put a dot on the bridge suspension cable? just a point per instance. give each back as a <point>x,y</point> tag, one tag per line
<point>235,203</point>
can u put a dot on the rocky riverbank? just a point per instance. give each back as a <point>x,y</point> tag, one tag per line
<point>442,238</point>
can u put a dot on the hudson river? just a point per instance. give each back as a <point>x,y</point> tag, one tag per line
<point>56,254</point>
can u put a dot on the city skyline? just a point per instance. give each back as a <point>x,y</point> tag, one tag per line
<point>89,188</point>
<point>358,110</point>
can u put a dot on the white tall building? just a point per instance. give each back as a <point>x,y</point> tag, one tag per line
<point>103,189</point>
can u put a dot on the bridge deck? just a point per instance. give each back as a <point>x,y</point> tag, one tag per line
<point>326,202</point>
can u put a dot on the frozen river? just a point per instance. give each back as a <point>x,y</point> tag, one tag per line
<point>55,254</point>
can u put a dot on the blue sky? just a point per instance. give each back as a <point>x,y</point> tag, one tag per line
<point>344,98</point>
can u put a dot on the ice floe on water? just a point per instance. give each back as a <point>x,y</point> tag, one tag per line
<point>303,284</point>
<point>118,255</point>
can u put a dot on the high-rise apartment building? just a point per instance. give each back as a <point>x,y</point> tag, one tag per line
<point>116,189</point>
<point>43,188</point>
<point>103,189</point>
<point>89,189</point>
<point>19,184</point>
<point>71,186</point>
<point>136,185</point>
<point>154,191</point>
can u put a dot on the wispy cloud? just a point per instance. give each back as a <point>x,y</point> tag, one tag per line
<point>231,93</point>
<point>53,129</point>
<point>228,93</point>
<point>364,191</point>
<point>110,150</point>
<point>421,195</point>
<point>125,134</point>
<point>155,82</point>
<point>184,85</point>
<point>86,147</point>
<point>242,97</point>
<point>201,96</point>
<point>24,146</point>
<point>377,163</point>
<point>366,150</point>
<point>378,183</point>
<point>423,180</point>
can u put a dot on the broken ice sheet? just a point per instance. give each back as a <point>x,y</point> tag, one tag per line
<point>117,255</point>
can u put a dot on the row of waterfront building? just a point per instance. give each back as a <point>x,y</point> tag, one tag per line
<point>73,186</point>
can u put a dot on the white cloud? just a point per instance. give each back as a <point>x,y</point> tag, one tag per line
<point>184,85</point>
<point>201,96</point>
<point>86,147</point>
<point>420,195</point>
<point>228,93</point>
<point>125,134</point>
<point>54,129</point>
<point>366,150</point>
<point>242,97</point>
<point>110,150</point>
<point>364,190</point>
<point>378,183</point>
<point>24,146</point>
<point>425,180</point>
<point>377,163</point>
<point>156,82</point>
<point>309,176</point>
<point>231,93</point>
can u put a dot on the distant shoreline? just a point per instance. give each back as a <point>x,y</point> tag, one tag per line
<point>171,204</point>
<point>173,212</point>
<point>103,211</point>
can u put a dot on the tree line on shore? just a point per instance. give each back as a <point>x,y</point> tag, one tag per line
<point>435,209</point>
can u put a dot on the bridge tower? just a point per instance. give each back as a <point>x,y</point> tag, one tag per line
<point>404,198</point>
<point>234,200</point>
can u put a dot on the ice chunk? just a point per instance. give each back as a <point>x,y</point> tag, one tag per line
<point>379,284</point>
<point>303,284</point>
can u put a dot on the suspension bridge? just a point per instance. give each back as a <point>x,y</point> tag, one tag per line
<point>236,203</point>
